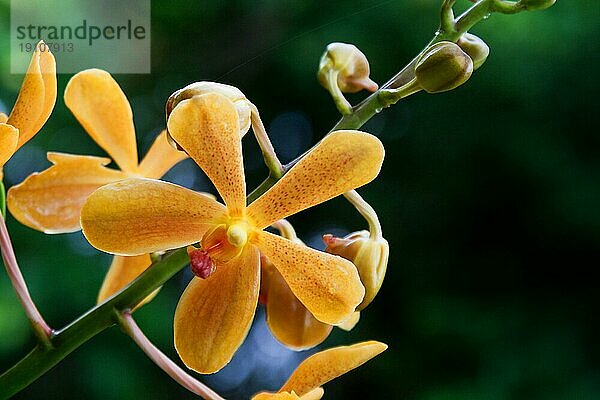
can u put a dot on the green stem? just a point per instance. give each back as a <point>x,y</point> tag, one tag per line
<point>2,200</point>
<point>42,359</point>
<point>375,102</point>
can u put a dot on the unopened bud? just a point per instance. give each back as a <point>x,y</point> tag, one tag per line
<point>475,48</point>
<point>241,103</point>
<point>369,255</point>
<point>443,67</point>
<point>533,5</point>
<point>352,67</point>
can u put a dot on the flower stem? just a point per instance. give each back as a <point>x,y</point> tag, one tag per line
<point>375,102</point>
<point>2,198</point>
<point>367,212</point>
<point>271,161</point>
<point>131,328</point>
<point>41,359</point>
<point>343,106</point>
<point>41,329</point>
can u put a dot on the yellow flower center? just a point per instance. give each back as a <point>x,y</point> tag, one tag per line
<point>218,246</point>
<point>237,234</point>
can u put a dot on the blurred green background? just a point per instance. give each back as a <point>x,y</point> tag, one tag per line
<point>489,197</point>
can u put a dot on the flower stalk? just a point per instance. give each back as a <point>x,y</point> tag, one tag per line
<point>41,329</point>
<point>131,328</point>
<point>367,212</point>
<point>272,162</point>
<point>2,200</point>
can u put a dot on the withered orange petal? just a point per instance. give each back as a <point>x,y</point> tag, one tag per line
<point>160,158</point>
<point>206,127</point>
<point>51,201</point>
<point>324,366</point>
<point>328,285</point>
<point>214,314</point>
<point>36,98</point>
<point>100,106</point>
<point>342,161</point>
<point>137,216</point>
<point>289,320</point>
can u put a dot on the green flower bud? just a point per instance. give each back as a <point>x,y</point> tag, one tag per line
<point>533,5</point>
<point>475,48</point>
<point>352,67</point>
<point>443,67</point>
<point>241,103</point>
<point>369,255</point>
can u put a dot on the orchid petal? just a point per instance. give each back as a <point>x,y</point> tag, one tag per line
<point>51,201</point>
<point>288,319</point>
<point>214,314</point>
<point>324,366</point>
<point>100,106</point>
<point>206,127</point>
<point>137,216</point>
<point>160,158</point>
<point>37,96</point>
<point>122,271</point>
<point>328,285</point>
<point>9,137</point>
<point>342,161</point>
<point>315,394</point>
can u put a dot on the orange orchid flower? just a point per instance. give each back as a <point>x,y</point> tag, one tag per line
<point>33,106</point>
<point>214,314</point>
<point>320,368</point>
<point>51,201</point>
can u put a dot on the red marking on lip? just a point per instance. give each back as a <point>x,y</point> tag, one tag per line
<point>201,264</point>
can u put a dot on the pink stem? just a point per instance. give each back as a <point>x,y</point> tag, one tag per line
<point>40,327</point>
<point>165,363</point>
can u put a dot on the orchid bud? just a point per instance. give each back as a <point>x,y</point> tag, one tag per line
<point>351,65</point>
<point>443,67</point>
<point>532,5</point>
<point>369,255</point>
<point>475,48</point>
<point>241,103</point>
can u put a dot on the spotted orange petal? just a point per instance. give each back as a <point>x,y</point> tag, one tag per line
<point>37,96</point>
<point>342,161</point>
<point>137,216</point>
<point>288,319</point>
<point>100,106</point>
<point>324,366</point>
<point>9,137</point>
<point>51,201</point>
<point>160,158</point>
<point>214,314</point>
<point>207,128</point>
<point>328,285</point>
